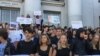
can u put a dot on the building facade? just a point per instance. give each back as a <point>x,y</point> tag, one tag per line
<point>86,11</point>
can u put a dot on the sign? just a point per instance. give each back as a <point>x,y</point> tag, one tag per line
<point>14,35</point>
<point>37,13</point>
<point>76,24</point>
<point>22,20</point>
<point>13,25</point>
<point>10,4</point>
<point>54,19</point>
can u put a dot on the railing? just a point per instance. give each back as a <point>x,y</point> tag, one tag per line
<point>54,2</point>
<point>13,0</point>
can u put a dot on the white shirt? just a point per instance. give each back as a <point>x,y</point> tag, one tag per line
<point>38,21</point>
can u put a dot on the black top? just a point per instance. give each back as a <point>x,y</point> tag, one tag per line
<point>63,52</point>
<point>79,46</point>
<point>44,53</point>
<point>92,51</point>
<point>54,40</point>
<point>10,49</point>
<point>26,48</point>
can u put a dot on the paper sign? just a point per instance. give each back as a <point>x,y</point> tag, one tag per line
<point>37,13</point>
<point>22,20</point>
<point>14,35</point>
<point>13,25</point>
<point>76,24</point>
<point>54,19</point>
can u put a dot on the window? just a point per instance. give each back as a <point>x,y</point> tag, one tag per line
<point>9,15</point>
<point>52,16</point>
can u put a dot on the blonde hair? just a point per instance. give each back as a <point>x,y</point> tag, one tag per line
<point>59,43</point>
<point>94,43</point>
<point>40,40</point>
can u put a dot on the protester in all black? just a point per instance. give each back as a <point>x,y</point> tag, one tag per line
<point>79,45</point>
<point>27,46</point>
<point>44,49</point>
<point>63,48</point>
<point>95,45</point>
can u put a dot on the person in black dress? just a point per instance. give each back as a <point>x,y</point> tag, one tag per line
<point>27,46</point>
<point>44,48</point>
<point>95,45</point>
<point>63,48</point>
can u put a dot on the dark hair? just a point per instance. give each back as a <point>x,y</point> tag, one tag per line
<point>80,30</point>
<point>4,34</point>
<point>30,30</point>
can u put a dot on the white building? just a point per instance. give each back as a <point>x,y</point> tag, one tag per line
<point>67,10</point>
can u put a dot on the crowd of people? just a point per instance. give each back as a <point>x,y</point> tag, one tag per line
<point>50,41</point>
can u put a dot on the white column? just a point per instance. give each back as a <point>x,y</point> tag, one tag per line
<point>31,6</point>
<point>74,10</point>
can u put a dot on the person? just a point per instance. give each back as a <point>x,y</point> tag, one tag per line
<point>6,48</point>
<point>44,48</point>
<point>95,45</point>
<point>72,35</point>
<point>27,46</point>
<point>79,45</point>
<point>38,21</point>
<point>63,48</point>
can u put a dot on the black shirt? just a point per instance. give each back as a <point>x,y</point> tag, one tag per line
<point>26,48</point>
<point>54,40</point>
<point>79,46</point>
<point>92,51</point>
<point>44,53</point>
<point>63,52</point>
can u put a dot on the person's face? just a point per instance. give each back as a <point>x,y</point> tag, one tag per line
<point>63,39</point>
<point>28,35</point>
<point>82,34</point>
<point>90,36</point>
<point>44,39</point>
<point>54,31</point>
<point>96,38</point>
<point>46,29</point>
<point>59,32</point>
<point>74,32</point>
<point>50,31</point>
<point>0,38</point>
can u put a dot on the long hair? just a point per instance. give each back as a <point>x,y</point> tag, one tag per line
<point>59,43</point>
<point>40,40</point>
<point>94,43</point>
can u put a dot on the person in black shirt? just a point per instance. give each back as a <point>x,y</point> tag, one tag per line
<point>27,46</point>
<point>63,48</point>
<point>44,48</point>
<point>79,44</point>
<point>95,45</point>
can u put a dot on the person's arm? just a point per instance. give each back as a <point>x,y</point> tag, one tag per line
<point>34,50</point>
<point>32,54</point>
<point>50,52</point>
<point>70,54</point>
<point>18,48</point>
<point>54,52</point>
